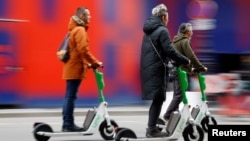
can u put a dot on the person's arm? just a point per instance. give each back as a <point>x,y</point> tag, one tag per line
<point>81,39</point>
<point>188,52</point>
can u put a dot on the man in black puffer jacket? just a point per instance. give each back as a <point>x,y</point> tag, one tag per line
<point>152,68</point>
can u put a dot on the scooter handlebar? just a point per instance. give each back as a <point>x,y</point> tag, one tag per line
<point>199,70</point>
<point>95,67</point>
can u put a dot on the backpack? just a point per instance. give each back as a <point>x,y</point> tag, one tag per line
<point>63,50</point>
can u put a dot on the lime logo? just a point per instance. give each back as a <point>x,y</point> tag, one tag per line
<point>96,121</point>
<point>181,125</point>
<point>200,116</point>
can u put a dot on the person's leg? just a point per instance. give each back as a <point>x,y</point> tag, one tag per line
<point>177,97</point>
<point>69,102</point>
<point>154,113</point>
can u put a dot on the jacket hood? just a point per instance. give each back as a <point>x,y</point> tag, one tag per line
<point>151,24</point>
<point>72,24</point>
<point>75,22</point>
<point>179,37</point>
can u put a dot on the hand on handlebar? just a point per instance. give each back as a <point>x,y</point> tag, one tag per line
<point>96,65</point>
<point>199,70</point>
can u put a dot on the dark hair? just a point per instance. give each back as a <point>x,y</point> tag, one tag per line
<point>80,11</point>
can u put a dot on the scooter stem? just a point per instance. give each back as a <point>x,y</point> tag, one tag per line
<point>183,83</point>
<point>100,84</point>
<point>202,86</point>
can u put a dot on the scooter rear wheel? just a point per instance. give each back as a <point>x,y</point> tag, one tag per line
<point>205,122</point>
<point>105,131</point>
<point>189,133</point>
<point>44,128</point>
<point>125,133</point>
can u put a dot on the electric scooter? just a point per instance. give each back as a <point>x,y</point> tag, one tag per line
<point>180,123</point>
<point>96,118</point>
<point>200,112</point>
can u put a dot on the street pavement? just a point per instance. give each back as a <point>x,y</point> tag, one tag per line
<point>132,117</point>
<point>113,110</point>
<point>193,98</point>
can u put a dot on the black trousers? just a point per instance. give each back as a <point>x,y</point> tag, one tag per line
<point>155,111</point>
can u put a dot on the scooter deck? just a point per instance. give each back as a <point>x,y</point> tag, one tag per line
<point>60,133</point>
<point>147,139</point>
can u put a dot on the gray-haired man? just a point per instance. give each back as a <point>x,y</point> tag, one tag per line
<point>183,45</point>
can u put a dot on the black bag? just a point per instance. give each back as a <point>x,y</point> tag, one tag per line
<point>63,50</point>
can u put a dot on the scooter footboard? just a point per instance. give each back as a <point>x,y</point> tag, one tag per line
<point>172,123</point>
<point>195,111</point>
<point>89,117</point>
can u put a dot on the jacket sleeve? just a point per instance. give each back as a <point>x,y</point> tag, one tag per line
<point>169,49</point>
<point>188,52</point>
<point>82,43</point>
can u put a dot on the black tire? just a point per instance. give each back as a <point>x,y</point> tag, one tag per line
<point>188,133</point>
<point>205,122</point>
<point>37,123</point>
<point>105,133</point>
<point>192,136</point>
<point>119,129</point>
<point>160,122</point>
<point>41,127</point>
<point>125,133</point>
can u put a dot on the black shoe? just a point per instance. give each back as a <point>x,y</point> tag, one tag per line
<point>72,128</point>
<point>154,132</point>
<point>166,117</point>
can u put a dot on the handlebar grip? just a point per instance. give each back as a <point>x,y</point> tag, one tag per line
<point>198,70</point>
<point>93,67</point>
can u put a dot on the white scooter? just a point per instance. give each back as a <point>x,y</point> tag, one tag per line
<point>180,123</point>
<point>200,112</point>
<point>96,119</point>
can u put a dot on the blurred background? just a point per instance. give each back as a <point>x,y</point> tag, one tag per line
<point>31,32</point>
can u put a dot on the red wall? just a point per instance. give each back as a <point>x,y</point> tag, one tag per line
<point>115,37</point>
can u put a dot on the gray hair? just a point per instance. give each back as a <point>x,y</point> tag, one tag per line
<point>184,27</point>
<point>80,11</point>
<point>160,10</point>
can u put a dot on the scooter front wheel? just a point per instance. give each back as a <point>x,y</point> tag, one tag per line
<point>41,127</point>
<point>205,122</point>
<point>189,135</point>
<point>37,123</point>
<point>106,131</point>
<point>125,133</point>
